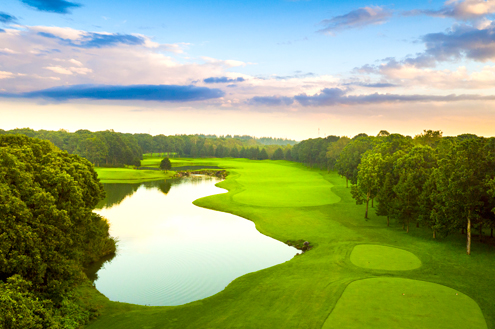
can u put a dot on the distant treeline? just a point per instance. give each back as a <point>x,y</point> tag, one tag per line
<point>444,183</point>
<point>109,148</point>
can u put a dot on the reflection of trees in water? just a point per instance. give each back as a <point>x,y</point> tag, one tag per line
<point>116,193</point>
<point>92,270</point>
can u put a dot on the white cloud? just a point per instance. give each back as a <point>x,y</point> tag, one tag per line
<point>76,62</point>
<point>59,70</point>
<point>6,75</point>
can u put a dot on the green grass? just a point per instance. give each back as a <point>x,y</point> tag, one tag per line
<point>383,258</point>
<point>125,175</point>
<point>303,292</point>
<point>402,303</point>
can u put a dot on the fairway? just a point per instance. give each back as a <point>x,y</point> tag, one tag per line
<point>272,185</point>
<point>384,258</point>
<point>391,303</point>
<point>338,277</point>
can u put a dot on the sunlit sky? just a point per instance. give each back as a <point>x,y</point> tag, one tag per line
<point>294,69</point>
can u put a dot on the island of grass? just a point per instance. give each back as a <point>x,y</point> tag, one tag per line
<point>384,258</point>
<point>304,291</point>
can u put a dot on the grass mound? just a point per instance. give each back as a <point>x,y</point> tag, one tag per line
<point>403,303</point>
<point>384,258</point>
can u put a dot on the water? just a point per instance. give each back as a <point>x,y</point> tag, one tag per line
<point>171,252</point>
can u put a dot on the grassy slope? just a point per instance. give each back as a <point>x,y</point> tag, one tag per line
<point>301,293</point>
<point>125,175</point>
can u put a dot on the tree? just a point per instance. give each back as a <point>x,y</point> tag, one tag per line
<point>413,170</point>
<point>383,133</point>
<point>165,164</point>
<point>461,186</point>
<point>234,152</point>
<point>350,158</point>
<point>334,150</point>
<point>429,138</point>
<point>243,153</point>
<point>263,154</point>
<point>278,154</point>
<point>288,155</point>
<point>219,151</point>
<point>368,179</point>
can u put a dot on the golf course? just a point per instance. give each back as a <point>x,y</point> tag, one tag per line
<point>359,274</point>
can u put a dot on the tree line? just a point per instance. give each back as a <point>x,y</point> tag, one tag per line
<point>444,183</point>
<point>113,149</point>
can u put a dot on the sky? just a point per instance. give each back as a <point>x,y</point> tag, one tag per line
<point>279,68</point>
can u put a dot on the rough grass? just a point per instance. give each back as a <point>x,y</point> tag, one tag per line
<point>125,175</point>
<point>302,292</point>
<point>383,258</point>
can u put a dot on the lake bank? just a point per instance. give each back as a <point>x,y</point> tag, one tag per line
<point>177,252</point>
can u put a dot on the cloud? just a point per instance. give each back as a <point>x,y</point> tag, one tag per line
<point>460,10</point>
<point>461,40</point>
<point>6,75</point>
<point>2,31</point>
<point>371,85</point>
<point>117,63</point>
<point>53,6</point>
<point>69,71</point>
<point>98,40</point>
<point>162,93</point>
<point>336,96</point>
<point>270,100</point>
<point>361,17</point>
<point>6,18</point>
<point>223,80</point>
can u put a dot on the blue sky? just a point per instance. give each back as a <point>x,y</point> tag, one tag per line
<point>290,66</point>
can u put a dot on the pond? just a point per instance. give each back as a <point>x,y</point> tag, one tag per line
<point>171,252</point>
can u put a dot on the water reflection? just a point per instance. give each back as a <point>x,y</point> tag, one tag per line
<point>116,193</point>
<point>172,252</point>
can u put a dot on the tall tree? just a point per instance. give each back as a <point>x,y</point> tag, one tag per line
<point>459,182</point>
<point>278,154</point>
<point>165,164</point>
<point>368,179</point>
<point>413,169</point>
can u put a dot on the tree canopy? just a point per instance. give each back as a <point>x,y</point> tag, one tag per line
<point>48,229</point>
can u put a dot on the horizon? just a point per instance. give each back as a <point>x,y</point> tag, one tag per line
<point>286,69</point>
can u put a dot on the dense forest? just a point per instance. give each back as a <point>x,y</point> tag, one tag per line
<point>113,149</point>
<point>444,183</point>
<point>48,233</point>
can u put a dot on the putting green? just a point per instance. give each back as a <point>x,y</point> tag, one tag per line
<point>403,303</point>
<point>384,258</point>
